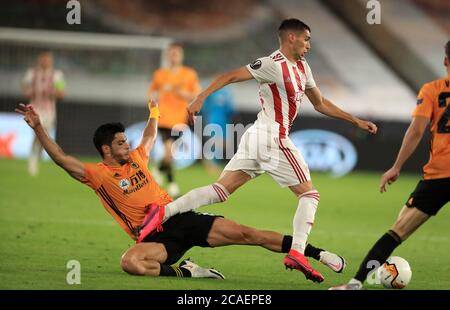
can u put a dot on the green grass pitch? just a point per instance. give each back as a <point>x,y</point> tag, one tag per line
<point>49,220</point>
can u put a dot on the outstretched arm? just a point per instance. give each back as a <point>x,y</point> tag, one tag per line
<point>151,130</point>
<point>234,76</point>
<point>72,165</point>
<point>326,107</point>
<point>410,141</point>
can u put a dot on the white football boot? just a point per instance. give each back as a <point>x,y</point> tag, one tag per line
<point>200,272</point>
<point>332,261</point>
<point>352,285</point>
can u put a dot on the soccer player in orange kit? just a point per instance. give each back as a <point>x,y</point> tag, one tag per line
<point>128,192</point>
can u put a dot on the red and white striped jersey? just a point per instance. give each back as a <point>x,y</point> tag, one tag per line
<point>42,83</point>
<point>282,86</point>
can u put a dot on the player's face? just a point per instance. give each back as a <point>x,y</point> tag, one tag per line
<point>301,44</point>
<point>175,55</point>
<point>45,60</point>
<point>120,150</point>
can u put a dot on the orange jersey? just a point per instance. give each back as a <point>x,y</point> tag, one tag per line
<point>172,107</point>
<point>126,191</point>
<point>433,102</point>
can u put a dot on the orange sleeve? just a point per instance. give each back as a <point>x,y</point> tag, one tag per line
<point>90,176</point>
<point>424,102</point>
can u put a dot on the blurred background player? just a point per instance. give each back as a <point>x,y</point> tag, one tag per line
<point>218,110</point>
<point>173,88</point>
<point>431,193</point>
<point>42,86</point>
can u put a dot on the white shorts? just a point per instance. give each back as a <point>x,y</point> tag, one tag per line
<point>260,152</point>
<point>48,122</point>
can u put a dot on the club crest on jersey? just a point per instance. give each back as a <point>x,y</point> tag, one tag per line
<point>297,97</point>
<point>134,165</point>
<point>124,183</point>
<point>256,64</point>
<point>419,101</point>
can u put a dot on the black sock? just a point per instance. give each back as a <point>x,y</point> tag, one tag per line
<point>174,271</point>
<point>286,244</point>
<point>379,253</point>
<point>169,172</point>
<point>311,251</point>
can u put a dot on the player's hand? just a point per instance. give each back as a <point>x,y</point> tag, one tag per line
<point>368,126</point>
<point>151,104</point>
<point>30,115</point>
<point>194,108</point>
<point>388,177</point>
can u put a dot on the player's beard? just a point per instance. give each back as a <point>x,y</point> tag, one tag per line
<point>122,159</point>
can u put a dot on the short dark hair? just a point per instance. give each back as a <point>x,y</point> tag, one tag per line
<point>105,135</point>
<point>292,24</point>
<point>447,49</point>
<point>176,44</point>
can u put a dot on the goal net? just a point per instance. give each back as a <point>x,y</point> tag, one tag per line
<point>97,67</point>
<point>106,78</point>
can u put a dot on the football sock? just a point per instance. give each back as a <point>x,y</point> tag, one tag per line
<point>379,252</point>
<point>304,219</point>
<point>174,271</point>
<point>286,244</point>
<point>312,251</point>
<point>196,198</point>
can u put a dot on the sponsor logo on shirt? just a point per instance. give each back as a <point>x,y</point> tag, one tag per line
<point>256,64</point>
<point>124,183</point>
<point>137,181</point>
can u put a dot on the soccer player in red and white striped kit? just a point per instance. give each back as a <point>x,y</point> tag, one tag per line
<point>43,85</point>
<point>284,78</point>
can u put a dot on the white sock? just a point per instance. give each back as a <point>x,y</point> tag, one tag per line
<point>196,198</point>
<point>304,219</point>
<point>33,160</point>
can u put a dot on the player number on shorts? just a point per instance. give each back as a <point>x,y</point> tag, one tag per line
<point>442,124</point>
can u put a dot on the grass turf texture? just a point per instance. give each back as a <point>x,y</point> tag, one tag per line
<point>49,220</point>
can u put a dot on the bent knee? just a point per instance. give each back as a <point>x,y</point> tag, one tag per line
<point>128,264</point>
<point>133,265</point>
